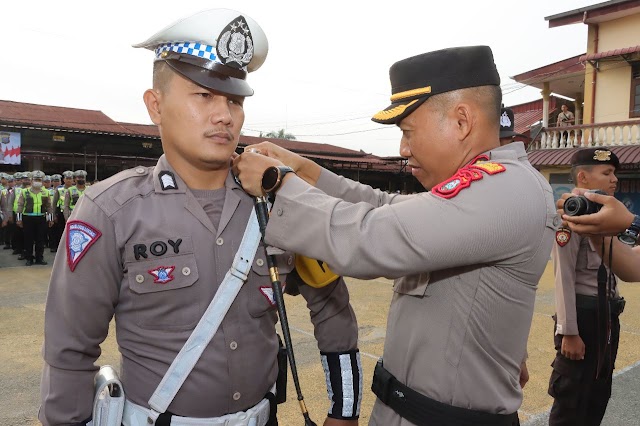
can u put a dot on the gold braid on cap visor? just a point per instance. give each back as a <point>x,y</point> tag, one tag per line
<point>396,111</point>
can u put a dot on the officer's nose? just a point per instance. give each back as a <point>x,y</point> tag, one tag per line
<point>405,151</point>
<point>221,112</point>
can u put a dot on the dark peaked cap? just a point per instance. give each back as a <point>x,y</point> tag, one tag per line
<point>595,156</point>
<point>415,79</point>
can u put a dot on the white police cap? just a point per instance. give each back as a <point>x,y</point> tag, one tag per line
<point>80,173</point>
<point>214,48</point>
<point>67,174</point>
<point>37,174</point>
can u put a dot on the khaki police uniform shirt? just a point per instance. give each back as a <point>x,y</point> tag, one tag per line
<point>575,266</point>
<point>145,228</point>
<point>466,271</point>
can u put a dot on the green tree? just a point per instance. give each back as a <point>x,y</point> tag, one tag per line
<point>280,134</point>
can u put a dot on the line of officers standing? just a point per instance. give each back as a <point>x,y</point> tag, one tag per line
<point>34,208</point>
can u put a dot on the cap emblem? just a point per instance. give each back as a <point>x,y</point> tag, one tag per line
<point>235,44</point>
<point>504,120</point>
<point>601,155</point>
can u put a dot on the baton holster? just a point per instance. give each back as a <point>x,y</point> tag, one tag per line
<point>281,381</point>
<point>108,401</point>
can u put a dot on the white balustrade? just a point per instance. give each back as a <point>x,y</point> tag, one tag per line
<point>619,133</point>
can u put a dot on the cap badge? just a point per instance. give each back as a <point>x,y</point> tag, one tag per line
<point>505,121</point>
<point>162,274</point>
<point>235,44</point>
<point>563,235</point>
<point>601,155</point>
<point>167,180</point>
<point>80,237</point>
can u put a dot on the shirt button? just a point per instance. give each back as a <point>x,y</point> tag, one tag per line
<point>233,345</point>
<point>140,170</point>
<point>236,396</point>
<point>279,212</point>
<point>219,241</point>
<point>259,262</point>
<point>290,260</point>
<point>186,271</point>
<point>139,278</point>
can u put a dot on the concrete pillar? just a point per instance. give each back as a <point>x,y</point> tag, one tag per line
<point>578,107</point>
<point>546,93</point>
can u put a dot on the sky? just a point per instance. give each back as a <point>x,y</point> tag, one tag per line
<point>327,71</point>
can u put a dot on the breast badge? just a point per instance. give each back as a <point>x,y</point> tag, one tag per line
<point>80,237</point>
<point>162,274</point>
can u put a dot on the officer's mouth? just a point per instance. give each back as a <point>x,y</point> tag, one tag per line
<point>414,169</point>
<point>219,137</point>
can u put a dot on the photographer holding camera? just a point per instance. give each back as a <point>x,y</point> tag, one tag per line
<point>582,370</point>
<point>613,219</point>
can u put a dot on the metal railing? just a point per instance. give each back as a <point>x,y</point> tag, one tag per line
<point>618,133</point>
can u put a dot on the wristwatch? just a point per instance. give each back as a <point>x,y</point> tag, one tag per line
<point>272,178</point>
<point>631,234</point>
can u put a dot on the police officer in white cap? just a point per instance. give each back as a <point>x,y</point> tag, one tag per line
<point>152,246</point>
<point>74,193</point>
<point>34,215</point>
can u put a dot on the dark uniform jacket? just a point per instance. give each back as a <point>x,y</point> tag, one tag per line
<point>152,258</point>
<point>466,269</point>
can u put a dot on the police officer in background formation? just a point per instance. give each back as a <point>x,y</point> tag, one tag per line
<point>73,194</point>
<point>55,231</point>
<point>4,195</point>
<point>58,202</point>
<point>466,256</point>
<point>507,127</point>
<point>586,310</point>
<point>152,245</point>
<point>23,181</point>
<point>34,216</point>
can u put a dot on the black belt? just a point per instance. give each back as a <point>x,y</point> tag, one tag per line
<point>424,411</point>
<point>591,303</point>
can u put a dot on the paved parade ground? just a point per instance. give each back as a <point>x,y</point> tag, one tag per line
<point>23,293</point>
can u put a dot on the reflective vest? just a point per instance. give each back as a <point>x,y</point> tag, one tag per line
<point>16,195</point>
<point>61,191</point>
<point>75,195</point>
<point>33,202</point>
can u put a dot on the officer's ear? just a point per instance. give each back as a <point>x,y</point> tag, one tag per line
<point>465,120</point>
<point>152,99</point>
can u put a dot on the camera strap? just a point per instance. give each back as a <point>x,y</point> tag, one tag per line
<point>606,281</point>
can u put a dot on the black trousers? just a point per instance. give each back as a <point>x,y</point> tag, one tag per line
<point>579,398</point>
<point>17,236</point>
<point>35,231</point>
<point>55,232</point>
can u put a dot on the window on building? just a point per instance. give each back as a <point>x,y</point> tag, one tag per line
<point>634,105</point>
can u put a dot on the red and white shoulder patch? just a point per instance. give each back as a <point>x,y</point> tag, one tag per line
<point>563,236</point>
<point>465,176</point>
<point>80,237</point>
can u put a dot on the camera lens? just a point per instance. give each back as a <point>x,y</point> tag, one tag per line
<point>575,206</point>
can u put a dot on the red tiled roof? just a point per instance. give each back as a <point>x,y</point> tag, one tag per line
<point>58,118</point>
<point>609,53</point>
<point>144,129</point>
<point>525,119</point>
<point>629,154</point>
<point>299,146</point>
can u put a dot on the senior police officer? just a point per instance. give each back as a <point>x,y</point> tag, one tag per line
<point>73,194</point>
<point>152,245</point>
<point>34,216</point>
<point>587,327</point>
<point>467,256</point>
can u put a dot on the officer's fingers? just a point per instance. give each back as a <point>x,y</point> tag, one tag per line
<point>599,198</point>
<point>578,191</point>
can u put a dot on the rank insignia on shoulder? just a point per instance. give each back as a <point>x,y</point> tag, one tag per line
<point>162,274</point>
<point>167,180</point>
<point>267,292</point>
<point>563,235</point>
<point>80,237</point>
<point>465,176</point>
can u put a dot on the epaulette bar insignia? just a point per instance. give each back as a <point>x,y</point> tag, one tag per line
<point>465,176</point>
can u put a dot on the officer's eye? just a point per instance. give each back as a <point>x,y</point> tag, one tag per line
<point>204,94</point>
<point>236,101</point>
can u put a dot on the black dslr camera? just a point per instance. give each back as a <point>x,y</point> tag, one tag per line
<point>579,205</point>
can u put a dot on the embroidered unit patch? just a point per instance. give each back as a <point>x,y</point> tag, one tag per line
<point>563,235</point>
<point>465,176</point>
<point>162,274</point>
<point>80,237</point>
<point>267,292</point>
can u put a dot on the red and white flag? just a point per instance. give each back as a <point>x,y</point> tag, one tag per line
<point>10,148</point>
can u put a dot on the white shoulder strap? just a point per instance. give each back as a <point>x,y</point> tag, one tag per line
<point>210,321</point>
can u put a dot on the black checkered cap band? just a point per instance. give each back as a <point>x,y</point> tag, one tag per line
<point>343,372</point>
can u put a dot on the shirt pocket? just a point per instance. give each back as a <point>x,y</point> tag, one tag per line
<point>412,285</point>
<point>163,292</point>
<point>593,259</point>
<point>261,298</point>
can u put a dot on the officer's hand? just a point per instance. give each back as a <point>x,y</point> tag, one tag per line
<point>336,422</point>
<point>249,168</point>
<point>612,218</point>
<point>51,224</point>
<point>572,347</point>
<point>19,223</point>
<point>524,374</point>
<point>304,168</point>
